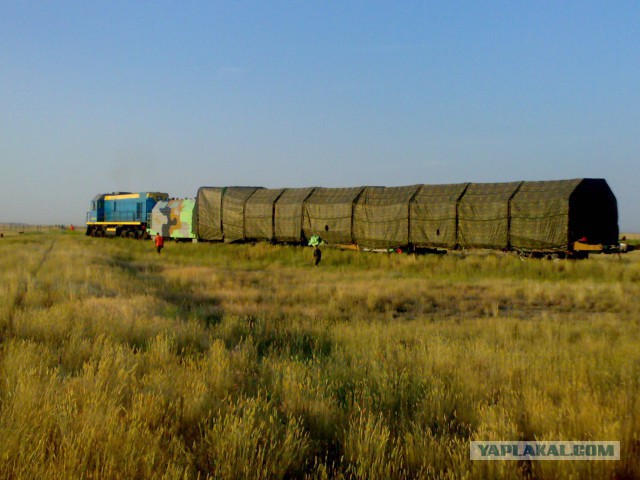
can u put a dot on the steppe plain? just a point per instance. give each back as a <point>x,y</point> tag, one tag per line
<point>245,361</point>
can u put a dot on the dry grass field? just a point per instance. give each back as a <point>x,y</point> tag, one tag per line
<point>15,229</point>
<point>631,238</point>
<point>245,361</point>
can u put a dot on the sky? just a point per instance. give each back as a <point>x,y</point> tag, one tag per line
<point>107,96</point>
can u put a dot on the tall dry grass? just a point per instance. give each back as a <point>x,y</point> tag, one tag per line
<point>244,361</point>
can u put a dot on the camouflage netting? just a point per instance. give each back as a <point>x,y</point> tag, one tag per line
<point>483,215</point>
<point>209,213</point>
<point>288,220</point>
<point>540,214</point>
<point>173,218</point>
<point>328,213</point>
<point>433,215</point>
<point>381,216</point>
<point>521,215</point>
<point>233,202</point>
<point>258,214</point>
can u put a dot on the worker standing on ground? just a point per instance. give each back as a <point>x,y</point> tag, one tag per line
<point>315,241</point>
<point>159,243</point>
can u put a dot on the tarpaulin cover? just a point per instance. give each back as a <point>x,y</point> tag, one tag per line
<point>381,216</point>
<point>173,218</point>
<point>233,201</point>
<point>433,215</point>
<point>209,212</point>
<point>328,212</point>
<point>540,214</point>
<point>483,215</point>
<point>258,213</point>
<point>288,221</point>
<point>554,214</point>
<point>523,215</point>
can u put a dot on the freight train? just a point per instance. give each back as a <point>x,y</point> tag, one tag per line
<point>561,216</point>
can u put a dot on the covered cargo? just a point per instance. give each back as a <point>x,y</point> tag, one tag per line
<point>483,215</point>
<point>288,214</point>
<point>554,214</point>
<point>381,216</point>
<point>173,219</point>
<point>259,214</point>
<point>209,213</point>
<point>434,215</point>
<point>233,203</point>
<point>328,212</point>
<point>520,215</point>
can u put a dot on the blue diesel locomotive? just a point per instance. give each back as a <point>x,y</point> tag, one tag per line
<point>122,214</point>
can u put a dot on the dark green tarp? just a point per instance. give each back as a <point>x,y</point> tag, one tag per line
<point>233,201</point>
<point>521,215</point>
<point>483,215</point>
<point>328,212</point>
<point>288,221</point>
<point>433,215</point>
<point>540,214</point>
<point>209,213</point>
<point>258,214</point>
<point>553,214</point>
<point>381,216</point>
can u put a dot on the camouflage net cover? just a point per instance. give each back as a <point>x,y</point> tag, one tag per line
<point>329,212</point>
<point>381,216</point>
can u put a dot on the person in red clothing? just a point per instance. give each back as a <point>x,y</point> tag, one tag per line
<point>159,243</point>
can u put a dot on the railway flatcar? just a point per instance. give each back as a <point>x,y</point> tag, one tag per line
<point>122,214</point>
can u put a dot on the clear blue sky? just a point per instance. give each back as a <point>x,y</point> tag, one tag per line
<point>169,96</point>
